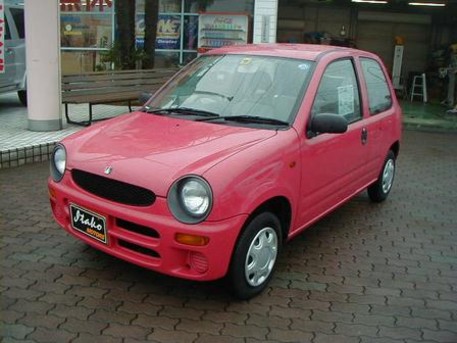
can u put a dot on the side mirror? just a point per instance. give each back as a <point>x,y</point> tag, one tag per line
<point>327,123</point>
<point>144,97</point>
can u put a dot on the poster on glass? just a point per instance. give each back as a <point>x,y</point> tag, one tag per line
<point>222,29</point>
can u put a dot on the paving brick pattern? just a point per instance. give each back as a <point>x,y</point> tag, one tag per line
<point>384,273</point>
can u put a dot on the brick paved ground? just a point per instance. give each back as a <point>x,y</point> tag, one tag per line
<point>367,273</point>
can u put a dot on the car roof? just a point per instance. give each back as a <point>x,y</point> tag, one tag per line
<point>301,51</point>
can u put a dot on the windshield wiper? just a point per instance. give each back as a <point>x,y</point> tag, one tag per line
<point>253,119</point>
<point>181,110</point>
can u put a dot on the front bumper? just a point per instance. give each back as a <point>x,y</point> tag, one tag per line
<point>146,236</point>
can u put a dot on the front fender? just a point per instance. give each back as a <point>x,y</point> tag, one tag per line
<point>250,178</point>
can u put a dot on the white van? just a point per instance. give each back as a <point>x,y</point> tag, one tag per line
<point>14,77</point>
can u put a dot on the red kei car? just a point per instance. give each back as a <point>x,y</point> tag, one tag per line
<point>240,151</point>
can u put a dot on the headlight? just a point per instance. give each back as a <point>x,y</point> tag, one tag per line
<point>190,199</point>
<point>58,162</point>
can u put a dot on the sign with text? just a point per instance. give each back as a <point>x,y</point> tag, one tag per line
<point>2,36</point>
<point>168,31</point>
<point>88,5</point>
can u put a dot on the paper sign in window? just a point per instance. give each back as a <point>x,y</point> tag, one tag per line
<point>345,100</point>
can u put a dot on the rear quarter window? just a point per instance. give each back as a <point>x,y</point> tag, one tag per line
<point>379,96</point>
<point>7,29</point>
<point>18,17</point>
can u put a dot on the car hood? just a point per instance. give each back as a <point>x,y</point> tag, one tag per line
<point>153,151</point>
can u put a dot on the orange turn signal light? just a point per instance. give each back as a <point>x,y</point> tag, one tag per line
<point>194,240</point>
<point>52,192</point>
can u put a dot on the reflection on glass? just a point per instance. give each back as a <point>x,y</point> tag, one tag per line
<point>190,32</point>
<point>85,30</point>
<point>189,57</point>
<point>238,85</point>
<point>170,6</point>
<point>75,62</point>
<point>195,6</point>
<point>166,59</point>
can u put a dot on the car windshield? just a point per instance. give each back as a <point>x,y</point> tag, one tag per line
<point>236,88</point>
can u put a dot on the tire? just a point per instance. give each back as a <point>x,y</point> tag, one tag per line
<point>255,255</point>
<point>22,95</point>
<point>379,190</point>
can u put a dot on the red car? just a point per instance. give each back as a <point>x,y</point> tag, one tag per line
<point>240,151</point>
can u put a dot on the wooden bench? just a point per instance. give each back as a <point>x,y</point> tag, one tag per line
<point>115,86</point>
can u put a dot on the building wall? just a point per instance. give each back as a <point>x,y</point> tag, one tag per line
<point>265,21</point>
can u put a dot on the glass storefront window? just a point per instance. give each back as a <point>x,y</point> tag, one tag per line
<point>166,59</point>
<point>168,32</point>
<point>188,57</point>
<point>190,32</point>
<point>225,6</point>
<point>194,6</point>
<point>170,6</point>
<point>75,62</point>
<point>85,30</point>
<point>177,32</point>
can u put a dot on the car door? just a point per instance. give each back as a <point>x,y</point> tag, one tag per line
<point>379,113</point>
<point>7,77</point>
<point>14,52</point>
<point>333,165</point>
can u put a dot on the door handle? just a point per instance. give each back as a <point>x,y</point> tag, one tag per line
<point>364,136</point>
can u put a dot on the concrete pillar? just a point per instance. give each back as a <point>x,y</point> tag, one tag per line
<point>42,39</point>
<point>265,21</point>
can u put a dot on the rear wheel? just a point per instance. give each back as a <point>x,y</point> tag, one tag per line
<point>22,95</point>
<point>379,190</point>
<point>255,255</point>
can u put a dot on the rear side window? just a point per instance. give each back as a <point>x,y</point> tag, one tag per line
<point>18,17</point>
<point>379,96</point>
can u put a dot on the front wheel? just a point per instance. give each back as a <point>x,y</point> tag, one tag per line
<point>379,190</point>
<point>255,255</point>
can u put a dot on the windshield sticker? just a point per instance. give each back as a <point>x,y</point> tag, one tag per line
<point>245,61</point>
<point>345,100</point>
<point>303,66</point>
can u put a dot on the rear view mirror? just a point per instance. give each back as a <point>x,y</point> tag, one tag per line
<point>327,123</point>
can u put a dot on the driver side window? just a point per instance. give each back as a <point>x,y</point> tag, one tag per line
<point>338,92</point>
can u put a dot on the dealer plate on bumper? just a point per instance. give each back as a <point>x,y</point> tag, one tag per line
<point>89,223</point>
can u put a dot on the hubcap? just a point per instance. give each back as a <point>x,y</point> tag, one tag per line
<point>261,256</point>
<point>388,176</point>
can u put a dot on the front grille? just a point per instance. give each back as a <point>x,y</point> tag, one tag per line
<point>113,190</point>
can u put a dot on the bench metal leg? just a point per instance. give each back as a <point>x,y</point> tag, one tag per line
<point>81,123</point>
<point>90,114</point>
<point>66,113</point>
<point>87,122</point>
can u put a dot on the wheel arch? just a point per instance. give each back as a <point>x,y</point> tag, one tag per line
<point>279,206</point>
<point>395,148</point>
